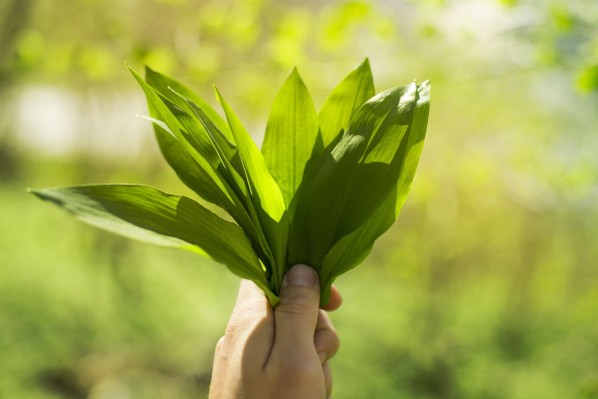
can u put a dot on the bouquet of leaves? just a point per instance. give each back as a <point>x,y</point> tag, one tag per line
<point>322,189</point>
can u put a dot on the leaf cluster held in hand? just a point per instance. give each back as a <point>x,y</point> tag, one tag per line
<point>322,189</point>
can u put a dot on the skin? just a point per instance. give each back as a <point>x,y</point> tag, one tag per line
<point>277,353</point>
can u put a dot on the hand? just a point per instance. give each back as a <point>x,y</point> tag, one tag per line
<point>279,353</point>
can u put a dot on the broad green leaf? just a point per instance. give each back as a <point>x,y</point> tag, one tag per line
<point>351,181</point>
<point>291,135</point>
<point>353,248</point>
<point>149,215</point>
<point>344,101</point>
<point>416,136</point>
<point>264,192</point>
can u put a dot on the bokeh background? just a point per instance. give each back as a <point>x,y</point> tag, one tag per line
<point>487,286</point>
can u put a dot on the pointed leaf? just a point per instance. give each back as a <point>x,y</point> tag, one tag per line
<point>344,101</point>
<point>291,134</point>
<point>353,248</point>
<point>166,85</point>
<point>149,215</point>
<point>352,180</point>
<point>209,139</point>
<point>265,193</point>
<point>185,166</point>
<point>215,187</point>
<point>242,187</point>
<point>208,176</point>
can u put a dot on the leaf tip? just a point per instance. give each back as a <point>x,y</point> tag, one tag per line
<point>424,91</point>
<point>39,193</point>
<point>35,191</point>
<point>130,68</point>
<point>134,73</point>
<point>218,95</point>
<point>295,74</point>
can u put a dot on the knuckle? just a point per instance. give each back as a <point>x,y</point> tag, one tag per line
<point>297,302</point>
<point>236,325</point>
<point>293,308</point>
<point>335,345</point>
<point>327,341</point>
<point>302,370</point>
<point>220,345</point>
<point>324,321</point>
<point>232,332</point>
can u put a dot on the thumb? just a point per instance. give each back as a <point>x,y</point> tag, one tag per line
<point>297,313</point>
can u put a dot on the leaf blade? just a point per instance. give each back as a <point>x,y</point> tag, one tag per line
<point>264,192</point>
<point>210,185</point>
<point>353,248</point>
<point>291,133</point>
<point>350,181</point>
<point>344,101</point>
<point>242,187</point>
<point>146,214</point>
<point>166,85</point>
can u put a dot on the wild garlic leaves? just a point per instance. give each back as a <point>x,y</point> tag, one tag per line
<point>322,189</point>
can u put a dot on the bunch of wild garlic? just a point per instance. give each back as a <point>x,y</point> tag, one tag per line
<point>323,188</point>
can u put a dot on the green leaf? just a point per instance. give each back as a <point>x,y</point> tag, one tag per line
<point>197,159</point>
<point>351,181</point>
<point>209,185</point>
<point>353,248</point>
<point>336,182</point>
<point>250,224</point>
<point>149,215</point>
<point>202,164</point>
<point>344,101</point>
<point>209,145</point>
<point>167,86</point>
<point>265,194</point>
<point>184,165</point>
<point>291,135</point>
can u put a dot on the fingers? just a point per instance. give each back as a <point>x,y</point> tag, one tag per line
<point>251,307</point>
<point>297,313</point>
<point>335,300</point>
<point>250,298</point>
<point>327,379</point>
<point>326,341</point>
<point>251,320</point>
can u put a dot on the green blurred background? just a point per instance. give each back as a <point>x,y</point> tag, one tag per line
<point>487,286</point>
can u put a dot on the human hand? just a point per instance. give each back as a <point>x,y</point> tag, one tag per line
<point>279,353</point>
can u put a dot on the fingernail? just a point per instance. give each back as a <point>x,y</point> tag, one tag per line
<point>301,276</point>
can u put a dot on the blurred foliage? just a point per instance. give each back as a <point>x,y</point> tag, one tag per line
<point>487,287</point>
